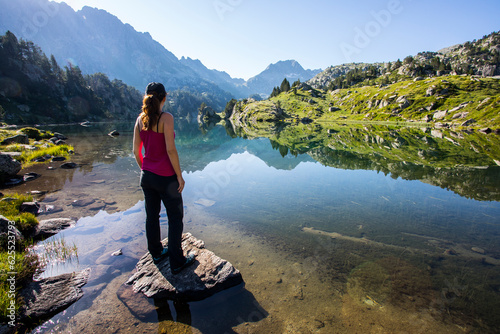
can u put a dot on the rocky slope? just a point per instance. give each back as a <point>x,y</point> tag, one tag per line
<point>479,57</point>
<point>98,41</point>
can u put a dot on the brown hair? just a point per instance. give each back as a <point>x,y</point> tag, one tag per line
<point>151,109</point>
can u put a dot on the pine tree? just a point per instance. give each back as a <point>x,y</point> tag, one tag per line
<point>276,92</point>
<point>285,85</point>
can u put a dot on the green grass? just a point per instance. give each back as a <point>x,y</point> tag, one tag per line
<point>24,265</point>
<point>38,145</point>
<point>483,95</point>
<point>53,150</point>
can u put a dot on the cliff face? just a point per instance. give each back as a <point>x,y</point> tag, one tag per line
<point>96,41</point>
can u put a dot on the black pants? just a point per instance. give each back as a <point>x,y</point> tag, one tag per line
<point>159,189</point>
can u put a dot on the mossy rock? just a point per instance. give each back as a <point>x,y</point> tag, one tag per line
<point>35,133</point>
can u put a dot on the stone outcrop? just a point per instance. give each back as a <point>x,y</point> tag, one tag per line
<point>16,139</point>
<point>51,295</point>
<point>8,166</point>
<point>208,115</point>
<point>208,274</point>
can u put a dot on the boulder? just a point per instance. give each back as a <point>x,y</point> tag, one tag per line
<point>69,165</point>
<point>485,130</point>
<point>60,136</point>
<point>30,176</point>
<point>9,166</point>
<point>49,227</point>
<point>383,104</point>
<point>51,295</point>
<point>208,274</point>
<point>468,122</point>
<point>427,118</point>
<point>440,114</point>
<point>403,103</point>
<point>17,139</point>
<point>30,207</point>
<point>430,91</point>
<point>6,225</point>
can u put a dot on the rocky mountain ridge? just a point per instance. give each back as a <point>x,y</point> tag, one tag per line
<point>97,41</point>
<point>478,57</point>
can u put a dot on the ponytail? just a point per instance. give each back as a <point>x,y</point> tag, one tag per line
<point>151,109</point>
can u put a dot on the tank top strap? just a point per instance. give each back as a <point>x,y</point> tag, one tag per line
<point>158,122</point>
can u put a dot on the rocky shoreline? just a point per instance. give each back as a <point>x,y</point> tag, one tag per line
<point>62,211</point>
<point>48,296</point>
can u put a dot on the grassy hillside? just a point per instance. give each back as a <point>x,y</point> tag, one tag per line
<point>455,101</point>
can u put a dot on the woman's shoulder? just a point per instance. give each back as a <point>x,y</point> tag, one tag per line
<point>138,121</point>
<point>167,118</point>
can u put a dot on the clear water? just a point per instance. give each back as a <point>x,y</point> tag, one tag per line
<point>328,241</point>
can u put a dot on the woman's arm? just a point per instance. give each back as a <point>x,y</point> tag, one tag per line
<point>168,130</point>
<point>137,146</point>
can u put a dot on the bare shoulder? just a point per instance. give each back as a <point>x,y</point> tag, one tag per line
<point>168,118</point>
<point>138,123</point>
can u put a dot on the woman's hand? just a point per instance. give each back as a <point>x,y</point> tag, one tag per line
<point>181,183</point>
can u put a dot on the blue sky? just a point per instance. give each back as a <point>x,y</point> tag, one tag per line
<point>242,37</point>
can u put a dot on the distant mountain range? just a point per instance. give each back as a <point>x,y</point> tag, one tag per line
<point>98,41</point>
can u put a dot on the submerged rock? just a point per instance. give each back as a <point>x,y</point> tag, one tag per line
<point>30,176</point>
<point>51,295</point>
<point>69,165</point>
<point>49,227</point>
<point>208,274</point>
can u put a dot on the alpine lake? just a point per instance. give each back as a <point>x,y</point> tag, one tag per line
<point>336,228</point>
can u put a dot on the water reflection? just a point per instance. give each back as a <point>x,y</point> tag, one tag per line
<point>359,214</point>
<point>461,161</point>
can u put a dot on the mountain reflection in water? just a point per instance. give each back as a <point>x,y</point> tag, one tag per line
<point>359,211</point>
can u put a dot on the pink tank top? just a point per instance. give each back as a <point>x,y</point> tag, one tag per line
<point>156,159</point>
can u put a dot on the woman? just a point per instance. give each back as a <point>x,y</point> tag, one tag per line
<point>161,177</point>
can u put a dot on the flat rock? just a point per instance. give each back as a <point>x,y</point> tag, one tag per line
<point>208,274</point>
<point>140,306</point>
<point>49,227</point>
<point>82,202</point>
<point>51,295</point>
<point>478,250</point>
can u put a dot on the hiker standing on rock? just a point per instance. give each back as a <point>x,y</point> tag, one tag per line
<point>161,177</point>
